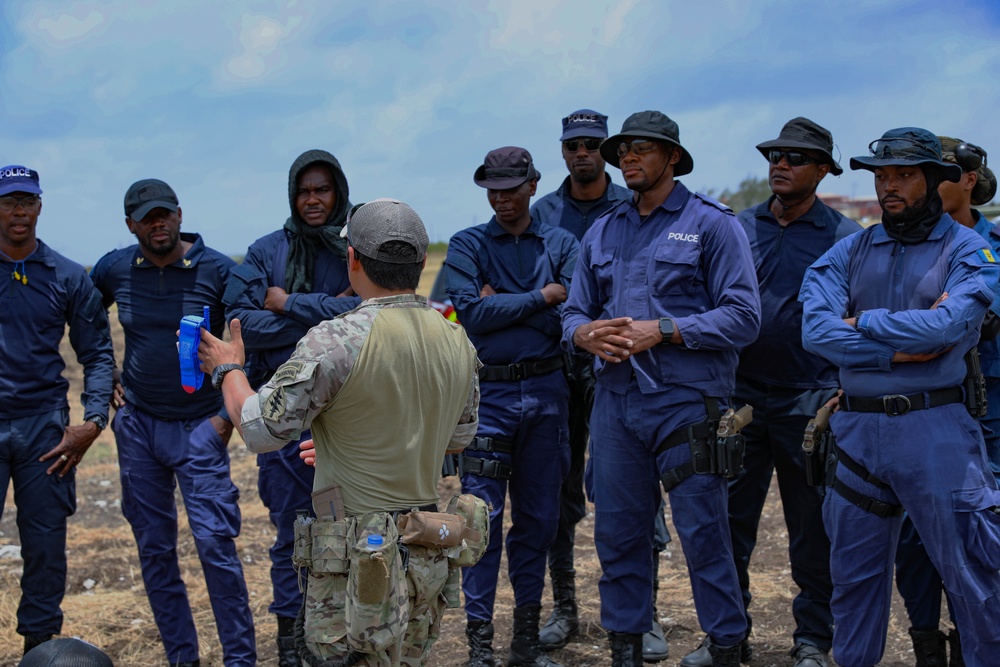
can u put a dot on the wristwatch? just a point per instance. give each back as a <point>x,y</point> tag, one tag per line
<point>102,422</point>
<point>219,373</point>
<point>667,328</point>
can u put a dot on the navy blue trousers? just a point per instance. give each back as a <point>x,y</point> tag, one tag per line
<point>285,486</point>
<point>156,456</point>
<point>43,504</point>
<point>934,462</point>
<point>626,429</point>
<point>774,444</point>
<point>532,414</point>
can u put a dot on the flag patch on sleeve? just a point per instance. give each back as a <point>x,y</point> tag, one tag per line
<point>987,256</point>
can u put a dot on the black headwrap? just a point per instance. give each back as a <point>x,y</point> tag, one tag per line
<point>915,226</point>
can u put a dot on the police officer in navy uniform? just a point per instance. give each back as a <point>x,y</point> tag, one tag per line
<point>41,292</point>
<point>508,280</point>
<point>664,294</point>
<point>897,307</point>
<point>171,431</point>
<point>787,233</point>
<point>290,280</point>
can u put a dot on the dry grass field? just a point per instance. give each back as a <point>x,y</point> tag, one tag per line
<point>106,605</point>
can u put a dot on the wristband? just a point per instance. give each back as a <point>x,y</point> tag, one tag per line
<point>187,350</point>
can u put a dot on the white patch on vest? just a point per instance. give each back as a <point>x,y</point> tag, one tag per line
<point>689,238</point>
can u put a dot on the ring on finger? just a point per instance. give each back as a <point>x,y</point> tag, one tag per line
<point>63,458</point>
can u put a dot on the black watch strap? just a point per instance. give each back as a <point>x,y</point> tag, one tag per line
<point>102,422</point>
<point>667,328</point>
<point>220,371</point>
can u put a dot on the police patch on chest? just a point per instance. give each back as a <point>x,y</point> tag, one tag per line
<point>275,408</point>
<point>289,371</point>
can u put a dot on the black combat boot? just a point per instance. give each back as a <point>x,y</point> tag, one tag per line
<point>701,657</point>
<point>654,644</point>
<point>524,648</point>
<point>807,655</point>
<point>192,663</point>
<point>480,637</point>
<point>955,658</point>
<point>31,641</point>
<point>929,648</point>
<point>626,650</point>
<point>564,623</point>
<point>288,654</point>
<point>725,656</point>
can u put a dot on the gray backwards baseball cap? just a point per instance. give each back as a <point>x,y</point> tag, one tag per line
<point>379,221</point>
<point>648,125</point>
<point>908,146</point>
<point>66,652</point>
<point>145,195</point>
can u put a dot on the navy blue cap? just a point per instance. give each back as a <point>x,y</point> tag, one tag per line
<point>145,195</point>
<point>584,123</point>
<point>907,146</point>
<point>15,178</point>
<point>505,168</point>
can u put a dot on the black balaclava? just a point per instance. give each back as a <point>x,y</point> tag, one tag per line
<point>915,225</point>
<point>304,241</point>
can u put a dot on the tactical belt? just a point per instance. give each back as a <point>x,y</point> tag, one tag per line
<point>701,431</point>
<point>895,405</point>
<point>858,499</point>
<point>519,371</point>
<point>488,467</point>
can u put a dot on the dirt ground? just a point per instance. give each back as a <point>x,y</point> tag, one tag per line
<point>106,605</point>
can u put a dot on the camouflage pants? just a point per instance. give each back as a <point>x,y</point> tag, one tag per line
<point>326,622</point>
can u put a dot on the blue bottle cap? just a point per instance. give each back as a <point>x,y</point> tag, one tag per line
<point>374,540</point>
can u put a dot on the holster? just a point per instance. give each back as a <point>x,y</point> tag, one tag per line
<point>819,449</point>
<point>975,385</point>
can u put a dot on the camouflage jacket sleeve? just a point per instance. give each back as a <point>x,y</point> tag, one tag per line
<point>306,384</point>
<point>468,423</point>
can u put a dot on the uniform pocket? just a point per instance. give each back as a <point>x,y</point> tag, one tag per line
<point>978,519</point>
<point>325,614</point>
<point>675,267</point>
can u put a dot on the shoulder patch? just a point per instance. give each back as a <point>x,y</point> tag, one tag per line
<point>275,408</point>
<point>288,371</point>
<point>987,256</point>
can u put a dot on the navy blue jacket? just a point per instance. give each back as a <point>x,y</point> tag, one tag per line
<point>33,317</point>
<point>151,302</point>
<point>688,260</point>
<point>781,256</point>
<point>270,338</point>
<point>515,324</point>
<point>559,210</point>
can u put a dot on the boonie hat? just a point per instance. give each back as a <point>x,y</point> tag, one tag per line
<point>907,146</point>
<point>803,133</point>
<point>145,195</point>
<point>986,181</point>
<point>584,123</point>
<point>376,222</point>
<point>649,125</point>
<point>505,168</point>
<point>66,652</point>
<point>15,178</point>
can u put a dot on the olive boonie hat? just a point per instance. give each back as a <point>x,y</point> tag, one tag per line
<point>379,221</point>
<point>649,125</point>
<point>803,133</point>
<point>505,168</point>
<point>907,146</point>
<point>986,181</point>
<point>65,652</point>
<point>145,195</point>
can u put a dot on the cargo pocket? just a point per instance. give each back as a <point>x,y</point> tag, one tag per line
<point>978,519</point>
<point>377,599</point>
<point>325,614</point>
<point>675,267</point>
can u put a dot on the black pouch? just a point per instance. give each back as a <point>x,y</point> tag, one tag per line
<point>729,455</point>
<point>703,456</point>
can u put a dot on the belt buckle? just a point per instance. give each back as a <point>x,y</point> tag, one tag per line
<point>896,405</point>
<point>516,371</point>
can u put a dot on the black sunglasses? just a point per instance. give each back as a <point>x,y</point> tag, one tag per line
<point>793,158</point>
<point>590,143</point>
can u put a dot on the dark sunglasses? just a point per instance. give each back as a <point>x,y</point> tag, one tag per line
<point>793,158</point>
<point>897,148</point>
<point>637,146</point>
<point>30,203</point>
<point>590,143</point>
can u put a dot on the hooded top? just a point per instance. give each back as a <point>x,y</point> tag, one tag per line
<point>304,240</point>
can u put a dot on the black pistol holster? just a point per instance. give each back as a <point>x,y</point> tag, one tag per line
<point>975,385</point>
<point>716,445</point>
<point>819,449</point>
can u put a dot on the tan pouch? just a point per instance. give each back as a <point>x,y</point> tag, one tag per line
<point>431,529</point>
<point>476,536</point>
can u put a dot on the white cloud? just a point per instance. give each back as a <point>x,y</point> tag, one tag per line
<point>65,30</point>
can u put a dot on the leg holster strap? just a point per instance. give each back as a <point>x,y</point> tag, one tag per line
<point>486,467</point>
<point>867,503</point>
<point>697,436</point>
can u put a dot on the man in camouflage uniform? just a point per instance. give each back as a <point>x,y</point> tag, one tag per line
<point>387,389</point>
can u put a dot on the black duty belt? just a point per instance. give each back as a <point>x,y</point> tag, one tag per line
<point>519,371</point>
<point>895,405</point>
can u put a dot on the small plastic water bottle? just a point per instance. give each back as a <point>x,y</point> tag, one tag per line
<point>374,542</point>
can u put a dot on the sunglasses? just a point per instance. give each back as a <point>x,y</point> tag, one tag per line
<point>590,143</point>
<point>897,148</point>
<point>637,146</point>
<point>793,158</point>
<point>30,203</point>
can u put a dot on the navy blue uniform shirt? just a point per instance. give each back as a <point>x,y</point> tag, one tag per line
<point>151,302</point>
<point>33,317</point>
<point>781,256</point>
<point>514,325</point>
<point>559,210</point>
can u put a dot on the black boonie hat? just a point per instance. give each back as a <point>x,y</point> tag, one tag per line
<point>648,125</point>
<point>803,133</point>
<point>907,146</point>
<point>506,168</point>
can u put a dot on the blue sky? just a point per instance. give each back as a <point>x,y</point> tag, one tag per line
<point>218,98</point>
